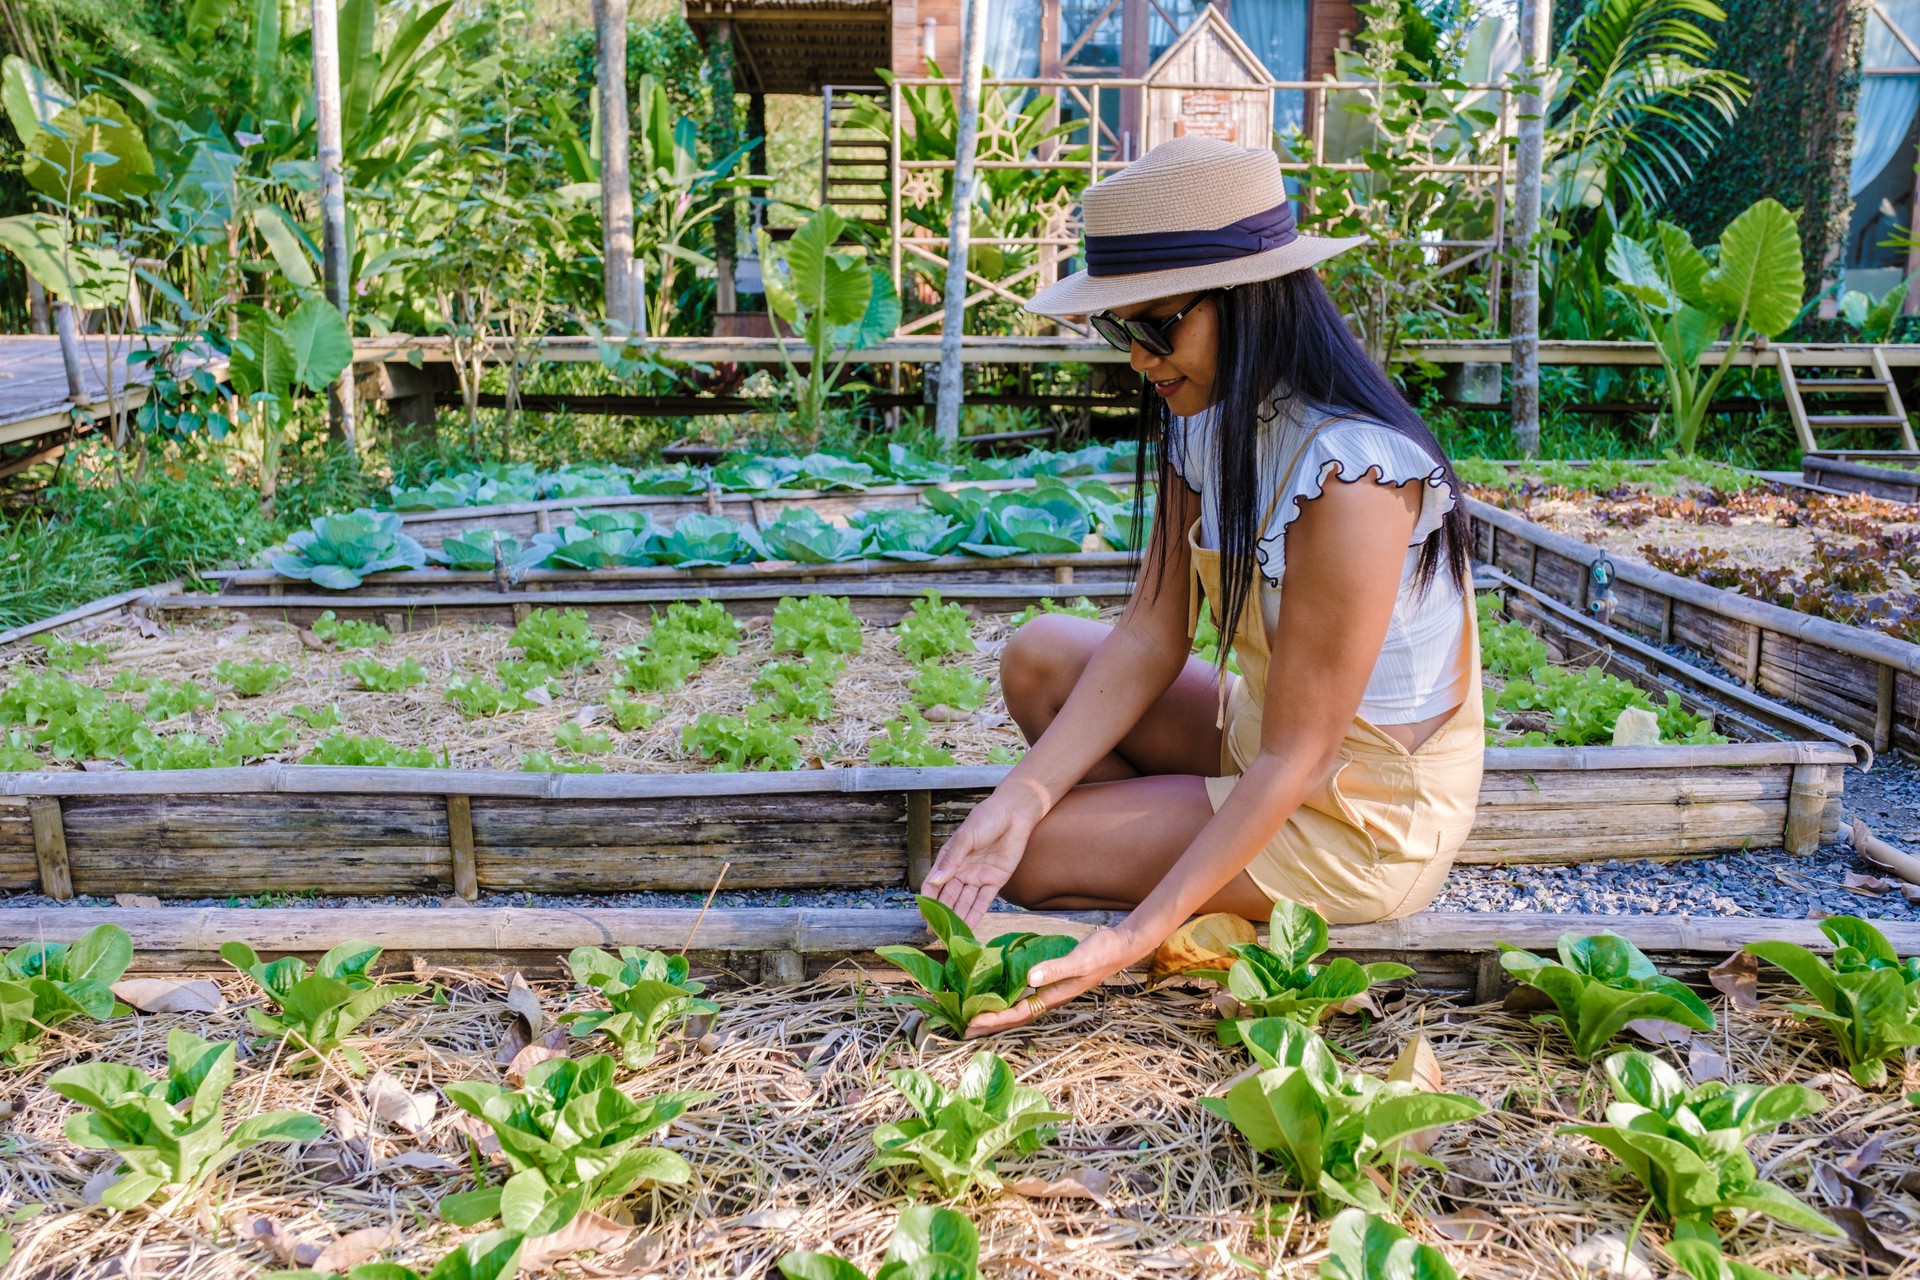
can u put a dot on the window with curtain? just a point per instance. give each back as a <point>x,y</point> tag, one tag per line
<point>1887,102</point>
<point>1276,30</point>
<point>1013,38</point>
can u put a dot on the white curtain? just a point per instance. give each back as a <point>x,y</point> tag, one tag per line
<point>1887,103</point>
<point>1013,39</point>
<point>1276,30</point>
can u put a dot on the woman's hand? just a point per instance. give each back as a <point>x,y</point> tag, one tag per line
<point>981,856</point>
<point>1100,955</point>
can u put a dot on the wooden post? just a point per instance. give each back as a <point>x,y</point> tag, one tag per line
<point>616,180</point>
<point>70,350</point>
<point>38,320</point>
<point>919,838</point>
<point>466,877</point>
<point>784,968</point>
<point>952,371</point>
<point>722,139</point>
<point>50,847</point>
<point>1535,17</point>
<point>1883,710</point>
<point>335,260</point>
<point>1806,805</point>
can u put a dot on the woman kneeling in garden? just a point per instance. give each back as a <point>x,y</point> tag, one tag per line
<point>1341,766</point>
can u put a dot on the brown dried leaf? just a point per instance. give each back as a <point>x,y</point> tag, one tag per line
<point>1859,883</point>
<point>1468,1225</point>
<point>1738,979</point>
<point>171,995</point>
<point>588,1231</point>
<point>1659,1032</point>
<point>524,1001</point>
<point>768,1220</point>
<point>477,1131</point>
<point>389,1099</point>
<point>424,1161</point>
<point>1704,1064</point>
<point>355,1248</point>
<point>552,1044</point>
<point>136,901</point>
<point>275,1239</point>
<point>1204,942</point>
<point>1606,1257</point>
<point>308,640</point>
<point>1081,1184</point>
<point>348,1125</point>
<point>1418,1064</point>
<point>1861,1232</point>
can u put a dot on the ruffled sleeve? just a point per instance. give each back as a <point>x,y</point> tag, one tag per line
<point>1350,452</point>
<point>1188,448</point>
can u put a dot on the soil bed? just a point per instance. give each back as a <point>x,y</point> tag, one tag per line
<point>779,1155</point>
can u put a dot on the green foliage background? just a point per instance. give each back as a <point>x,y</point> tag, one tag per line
<point>1794,139</point>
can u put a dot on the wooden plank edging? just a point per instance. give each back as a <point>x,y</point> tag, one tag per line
<point>815,930</point>
<point>92,609</point>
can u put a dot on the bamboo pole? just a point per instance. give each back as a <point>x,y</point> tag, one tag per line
<point>336,262</point>
<point>1535,17</point>
<point>960,227</point>
<point>616,180</point>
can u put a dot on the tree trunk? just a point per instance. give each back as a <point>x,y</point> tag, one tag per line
<point>722,138</point>
<point>616,181</point>
<point>1535,18</point>
<point>953,324</point>
<point>335,261</point>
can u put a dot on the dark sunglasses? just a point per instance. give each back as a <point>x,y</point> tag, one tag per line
<point>1151,334</point>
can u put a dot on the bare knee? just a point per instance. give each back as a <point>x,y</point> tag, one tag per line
<point>1041,663</point>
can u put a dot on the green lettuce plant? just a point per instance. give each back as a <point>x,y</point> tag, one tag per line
<point>1602,983</point>
<point>169,698</point>
<point>1687,1146</point>
<point>1324,1127</point>
<point>976,977</point>
<point>755,741</point>
<point>477,696</point>
<point>352,749</point>
<point>699,540</point>
<point>799,689</point>
<point>814,625</point>
<point>72,655</point>
<point>43,984</point>
<point>562,639</point>
<point>647,994</point>
<point>631,714</point>
<point>251,679</point>
<point>955,1134</point>
<point>572,1140</point>
<point>902,744</point>
<point>318,1009</point>
<point>476,552</point>
<point>934,629</point>
<point>1079,608</point>
<point>1867,995</point>
<point>928,1243</point>
<point>1703,1260</point>
<point>377,677</point>
<point>338,551</point>
<point>170,1131</point>
<point>807,538</point>
<point>934,685</point>
<point>907,533</point>
<point>1365,1246</point>
<point>349,633</point>
<point>1280,980</point>
<point>582,546</point>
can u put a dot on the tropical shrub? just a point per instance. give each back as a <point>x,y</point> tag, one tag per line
<point>1280,980</point>
<point>647,994</point>
<point>1602,983</point>
<point>170,1132</point>
<point>320,1008</point>
<point>1868,997</point>
<point>975,977</point>
<point>955,1134</point>
<point>340,550</point>
<point>1326,1128</point>
<point>1687,1146</point>
<point>572,1140</point>
<point>43,984</point>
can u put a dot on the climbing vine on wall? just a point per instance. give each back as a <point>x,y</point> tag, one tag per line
<point>1794,140</point>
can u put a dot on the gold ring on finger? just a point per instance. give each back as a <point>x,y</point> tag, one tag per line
<point>1036,1007</point>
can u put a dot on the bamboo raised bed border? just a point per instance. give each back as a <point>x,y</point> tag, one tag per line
<point>1848,476</point>
<point>371,831</point>
<point>1446,950</point>
<point>1866,683</point>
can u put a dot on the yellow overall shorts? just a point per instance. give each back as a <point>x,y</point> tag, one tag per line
<point>1376,841</point>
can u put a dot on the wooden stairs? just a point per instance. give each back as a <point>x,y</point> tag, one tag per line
<point>1849,385</point>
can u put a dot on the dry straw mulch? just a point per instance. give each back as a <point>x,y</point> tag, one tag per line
<point>872,690</point>
<point>800,1076</point>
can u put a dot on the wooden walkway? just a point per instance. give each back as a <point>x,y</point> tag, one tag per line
<point>35,397</point>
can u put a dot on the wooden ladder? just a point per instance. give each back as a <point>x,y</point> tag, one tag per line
<point>1881,383</point>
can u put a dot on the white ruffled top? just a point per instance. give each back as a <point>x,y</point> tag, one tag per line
<point>1422,669</point>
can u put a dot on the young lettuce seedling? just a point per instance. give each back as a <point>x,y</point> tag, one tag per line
<point>956,1133</point>
<point>171,1131</point>
<point>1281,980</point>
<point>647,992</point>
<point>1687,1146</point>
<point>43,984</point>
<point>1602,983</point>
<point>1327,1128</point>
<point>1702,1260</point>
<point>572,1141</point>
<point>318,1010</point>
<point>976,977</point>
<point>1365,1246</point>
<point>928,1244</point>
<point>1868,996</point>
<point>493,1256</point>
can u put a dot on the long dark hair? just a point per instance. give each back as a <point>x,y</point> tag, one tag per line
<point>1284,336</point>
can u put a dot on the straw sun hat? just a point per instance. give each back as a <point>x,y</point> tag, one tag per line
<point>1191,214</point>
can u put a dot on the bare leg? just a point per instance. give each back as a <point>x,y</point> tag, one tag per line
<point>1042,663</point>
<point>1113,838</point>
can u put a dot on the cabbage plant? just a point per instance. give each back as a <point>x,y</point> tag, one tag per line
<point>340,550</point>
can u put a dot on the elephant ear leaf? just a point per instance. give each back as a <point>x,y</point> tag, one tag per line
<point>32,98</point>
<point>321,344</point>
<point>90,150</point>
<point>1760,275</point>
